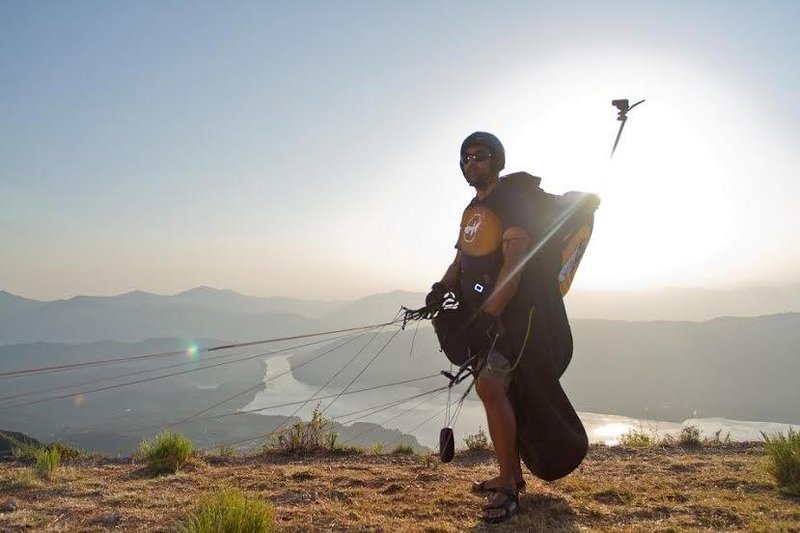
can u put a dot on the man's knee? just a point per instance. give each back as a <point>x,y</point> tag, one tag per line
<point>490,390</point>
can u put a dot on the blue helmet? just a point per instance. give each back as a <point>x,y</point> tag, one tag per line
<point>491,143</point>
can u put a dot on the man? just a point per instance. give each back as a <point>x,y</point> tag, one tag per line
<point>517,252</point>
<point>487,271</point>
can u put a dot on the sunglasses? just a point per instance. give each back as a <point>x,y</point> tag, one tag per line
<point>480,155</point>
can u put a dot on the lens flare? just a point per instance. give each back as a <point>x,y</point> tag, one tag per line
<point>193,352</point>
<point>78,400</point>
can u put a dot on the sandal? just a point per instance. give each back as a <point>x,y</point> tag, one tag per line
<point>479,487</point>
<point>508,502</point>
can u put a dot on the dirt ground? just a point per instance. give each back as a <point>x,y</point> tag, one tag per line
<point>723,488</point>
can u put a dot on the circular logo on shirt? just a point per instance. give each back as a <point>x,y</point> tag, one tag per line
<point>481,231</point>
<point>472,227</point>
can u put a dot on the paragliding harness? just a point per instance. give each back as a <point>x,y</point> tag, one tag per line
<point>564,227</point>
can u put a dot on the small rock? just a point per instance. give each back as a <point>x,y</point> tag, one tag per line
<point>9,505</point>
<point>108,519</point>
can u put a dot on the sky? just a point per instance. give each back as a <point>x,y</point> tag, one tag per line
<point>310,149</point>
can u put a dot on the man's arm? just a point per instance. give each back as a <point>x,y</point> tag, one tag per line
<point>515,250</point>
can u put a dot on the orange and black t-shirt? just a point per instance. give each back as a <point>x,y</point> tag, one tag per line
<point>480,239</point>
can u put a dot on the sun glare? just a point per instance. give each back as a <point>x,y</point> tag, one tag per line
<point>610,434</point>
<point>667,211</point>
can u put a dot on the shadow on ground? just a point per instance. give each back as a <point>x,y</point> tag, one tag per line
<point>538,512</point>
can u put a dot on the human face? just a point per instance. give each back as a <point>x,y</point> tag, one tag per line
<point>477,167</point>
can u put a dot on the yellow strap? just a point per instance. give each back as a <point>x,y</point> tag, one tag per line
<point>525,341</point>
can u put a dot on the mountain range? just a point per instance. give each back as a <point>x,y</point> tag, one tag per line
<point>733,367</point>
<point>208,312</point>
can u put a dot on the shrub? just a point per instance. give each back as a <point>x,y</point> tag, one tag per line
<point>305,437</point>
<point>477,441</point>
<point>376,448</point>
<point>349,450</point>
<point>404,449</point>
<point>31,451</point>
<point>47,462</point>
<point>331,441</point>
<point>166,453</point>
<point>783,453</point>
<point>229,511</point>
<point>638,438</point>
<point>25,451</point>
<point>689,436</point>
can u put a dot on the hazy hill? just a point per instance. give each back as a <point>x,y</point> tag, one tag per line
<point>11,303</point>
<point>682,303</point>
<point>679,304</point>
<point>114,420</point>
<point>744,368</point>
<point>234,302</point>
<point>9,440</point>
<point>136,316</point>
<point>207,312</point>
<point>373,309</point>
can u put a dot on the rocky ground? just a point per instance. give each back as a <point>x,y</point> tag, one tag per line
<point>719,488</point>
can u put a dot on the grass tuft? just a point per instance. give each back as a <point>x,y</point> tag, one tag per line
<point>638,438</point>
<point>404,449</point>
<point>166,453</point>
<point>690,436</point>
<point>376,448</point>
<point>306,437</point>
<point>47,462</point>
<point>477,441</point>
<point>348,450</point>
<point>783,453</point>
<point>229,511</point>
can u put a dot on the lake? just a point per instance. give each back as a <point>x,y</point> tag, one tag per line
<point>425,416</point>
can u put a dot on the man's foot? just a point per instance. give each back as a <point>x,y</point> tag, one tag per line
<point>491,485</point>
<point>504,506</point>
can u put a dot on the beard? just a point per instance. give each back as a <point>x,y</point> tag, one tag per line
<point>477,179</point>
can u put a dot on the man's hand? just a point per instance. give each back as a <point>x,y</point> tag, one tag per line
<point>437,294</point>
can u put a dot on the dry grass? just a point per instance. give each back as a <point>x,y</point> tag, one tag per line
<point>676,489</point>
